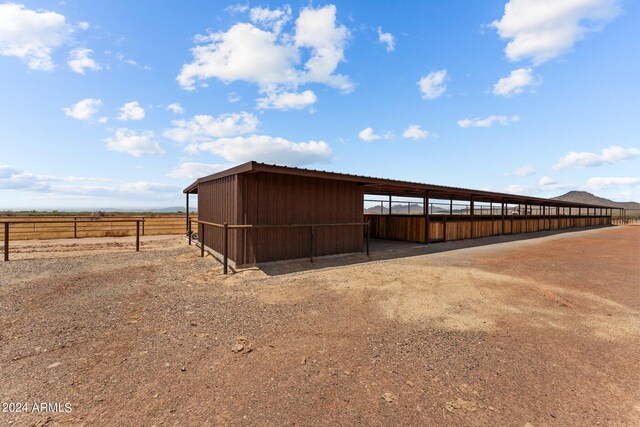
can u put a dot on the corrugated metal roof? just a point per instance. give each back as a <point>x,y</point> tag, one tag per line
<point>375,185</point>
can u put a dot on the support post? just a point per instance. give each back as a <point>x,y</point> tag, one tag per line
<point>188,224</point>
<point>189,231</point>
<point>225,248</point>
<point>201,238</point>
<point>143,226</point>
<point>389,204</point>
<point>503,220</point>
<point>473,212</point>
<point>311,240</point>
<point>368,235</point>
<point>427,223</point>
<point>451,207</point>
<point>75,228</point>
<point>6,241</point>
<point>137,235</point>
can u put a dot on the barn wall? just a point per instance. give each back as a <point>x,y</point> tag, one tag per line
<point>218,202</point>
<point>411,227</point>
<point>279,199</point>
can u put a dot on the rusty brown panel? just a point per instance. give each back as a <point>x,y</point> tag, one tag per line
<point>217,202</point>
<point>287,199</point>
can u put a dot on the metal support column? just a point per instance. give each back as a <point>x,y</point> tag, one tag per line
<point>503,220</point>
<point>427,223</point>
<point>473,212</point>
<point>188,228</point>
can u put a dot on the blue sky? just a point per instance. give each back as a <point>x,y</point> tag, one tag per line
<point>122,104</point>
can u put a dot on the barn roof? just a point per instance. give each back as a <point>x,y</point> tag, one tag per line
<point>384,186</point>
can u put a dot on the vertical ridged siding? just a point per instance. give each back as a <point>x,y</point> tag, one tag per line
<point>218,203</point>
<point>286,199</point>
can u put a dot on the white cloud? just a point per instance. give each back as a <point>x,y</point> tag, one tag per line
<point>131,111</point>
<point>273,19</point>
<point>432,85</point>
<point>609,155</point>
<point>32,35</point>
<point>415,132</point>
<point>203,128</point>
<point>233,97</point>
<point>368,135</point>
<point>83,25</point>
<point>387,39</point>
<point>175,108</point>
<point>523,171</point>
<point>84,109</point>
<point>287,100</point>
<point>79,61</point>
<point>549,184</point>
<point>15,179</point>
<point>194,170</point>
<point>545,29</point>
<point>604,183</point>
<point>544,184</point>
<point>270,58</point>
<point>516,82</point>
<point>265,148</point>
<point>107,192</point>
<point>244,52</point>
<point>316,29</point>
<point>12,178</point>
<point>120,57</point>
<point>237,8</point>
<point>134,143</point>
<point>487,122</point>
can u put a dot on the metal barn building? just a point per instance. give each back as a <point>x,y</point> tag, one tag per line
<point>257,213</point>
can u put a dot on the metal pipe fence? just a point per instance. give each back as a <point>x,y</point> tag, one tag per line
<point>226,227</point>
<point>7,228</point>
<point>38,227</point>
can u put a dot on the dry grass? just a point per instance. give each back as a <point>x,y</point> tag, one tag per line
<point>105,226</point>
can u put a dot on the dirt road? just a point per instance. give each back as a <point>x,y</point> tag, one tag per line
<point>537,332</point>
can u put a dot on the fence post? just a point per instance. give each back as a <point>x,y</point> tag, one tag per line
<point>311,244</point>
<point>189,233</point>
<point>6,241</point>
<point>143,226</point>
<point>201,238</point>
<point>368,235</point>
<point>137,236</point>
<point>75,228</point>
<point>225,248</point>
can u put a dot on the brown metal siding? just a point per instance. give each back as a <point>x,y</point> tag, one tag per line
<point>218,203</point>
<point>279,199</point>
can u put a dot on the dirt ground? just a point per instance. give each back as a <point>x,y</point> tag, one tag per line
<point>532,332</point>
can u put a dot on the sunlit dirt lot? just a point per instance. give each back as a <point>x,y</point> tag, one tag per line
<point>542,331</point>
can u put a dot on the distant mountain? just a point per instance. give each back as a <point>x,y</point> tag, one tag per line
<point>405,208</point>
<point>585,197</point>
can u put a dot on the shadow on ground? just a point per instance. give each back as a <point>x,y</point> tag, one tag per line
<point>390,249</point>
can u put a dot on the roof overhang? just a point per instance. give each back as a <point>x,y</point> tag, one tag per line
<point>383,186</point>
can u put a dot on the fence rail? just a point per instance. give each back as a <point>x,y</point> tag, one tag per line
<point>226,227</point>
<point>60,226</point>
<point>7,228</point>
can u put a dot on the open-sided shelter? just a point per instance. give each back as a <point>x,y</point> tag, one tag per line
<point>270,213</point>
